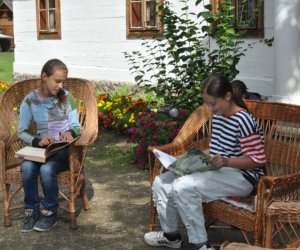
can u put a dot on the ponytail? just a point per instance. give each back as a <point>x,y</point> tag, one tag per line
<point>238,99</point>
<point>217,85</point>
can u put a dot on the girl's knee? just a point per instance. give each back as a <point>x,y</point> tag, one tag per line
<point>184,186</point>
<point>28,168</point>
<point>47,171</point>
<point>179,187</point>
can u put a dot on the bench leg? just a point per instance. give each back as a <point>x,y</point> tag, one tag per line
<point>268,232</point>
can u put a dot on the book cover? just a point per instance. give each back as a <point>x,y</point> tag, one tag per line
<point>41,154</point>
<point>192,161</point>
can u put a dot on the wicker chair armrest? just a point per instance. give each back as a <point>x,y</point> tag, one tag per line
<point>174,149</point>
<point>170,148</point>
<point>8,139</point>
<point>272,188</point>
<point>86,138</point>
<point>284,187</point>
<point>281,180</point>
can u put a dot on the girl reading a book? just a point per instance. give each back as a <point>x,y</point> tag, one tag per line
<point>56,119</point>
<point>236,149</point>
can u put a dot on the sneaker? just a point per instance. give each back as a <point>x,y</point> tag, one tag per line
<point>205,247</point>
<point>157,239</point>
<point>31,218</point>
<point>47,221</point>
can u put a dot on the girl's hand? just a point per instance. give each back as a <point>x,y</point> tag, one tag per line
<point>219,161</point>
<point>66,136</point>
<point>46,141</point>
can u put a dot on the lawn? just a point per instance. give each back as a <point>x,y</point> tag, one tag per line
<point>6,66</point>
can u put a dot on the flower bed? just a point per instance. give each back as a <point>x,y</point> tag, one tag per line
<point>142,121</point>
<point>3,87</point>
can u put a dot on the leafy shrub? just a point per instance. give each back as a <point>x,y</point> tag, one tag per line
<point>195,44</point>
<point>151,129</point>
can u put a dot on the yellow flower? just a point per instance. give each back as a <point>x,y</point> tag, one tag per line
<point>131,118</point>
<point>125,125</point>
<point>100,104</point>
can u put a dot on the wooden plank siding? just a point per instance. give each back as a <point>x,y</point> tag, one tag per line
<point>6,25</point>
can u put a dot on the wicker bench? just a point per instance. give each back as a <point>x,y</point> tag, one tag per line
<point>281,126</point>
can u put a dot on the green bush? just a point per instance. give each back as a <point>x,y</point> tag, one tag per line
<point>175,65</point>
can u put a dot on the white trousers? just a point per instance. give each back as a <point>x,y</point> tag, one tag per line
<point>183,196</point>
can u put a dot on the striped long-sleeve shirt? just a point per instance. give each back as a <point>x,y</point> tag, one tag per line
<point>239,136</point>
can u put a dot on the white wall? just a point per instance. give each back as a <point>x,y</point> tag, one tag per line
<point>94,39</point>
<point>287,50</point>
<point>257,67</point>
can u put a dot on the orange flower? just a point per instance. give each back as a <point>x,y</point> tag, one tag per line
<point>102,97</point>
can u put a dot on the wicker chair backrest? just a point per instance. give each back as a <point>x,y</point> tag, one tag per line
<point>13,97</point>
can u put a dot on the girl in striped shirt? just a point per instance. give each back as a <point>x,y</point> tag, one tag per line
<point>236,149</point>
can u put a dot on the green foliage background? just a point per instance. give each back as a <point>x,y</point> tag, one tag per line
<point>195,44</point>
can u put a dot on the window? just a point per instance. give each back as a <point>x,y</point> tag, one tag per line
<point>248,16</point>
<point>142,18</point>
<point>10,16</point>
<point>48,19</point>
<point>5,13</point>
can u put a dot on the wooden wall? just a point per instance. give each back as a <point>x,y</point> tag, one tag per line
<point>6,25</point>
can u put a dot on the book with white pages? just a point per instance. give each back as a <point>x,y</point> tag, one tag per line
<point>193,160</point>
<point>41,154</point>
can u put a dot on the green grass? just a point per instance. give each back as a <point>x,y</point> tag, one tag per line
<point>6,66</point>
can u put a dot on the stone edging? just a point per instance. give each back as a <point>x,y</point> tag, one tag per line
<point>103,86</point>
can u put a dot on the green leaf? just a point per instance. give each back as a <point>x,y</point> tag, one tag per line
<point>198,2</point>
<point>205,28</point>
<point>138,78</point>
<point>208,7</point>
<point>230,31</point>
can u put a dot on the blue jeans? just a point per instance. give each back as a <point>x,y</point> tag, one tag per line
<point>48,174</point>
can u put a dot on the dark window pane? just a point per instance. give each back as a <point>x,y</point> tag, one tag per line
<point>151,13</point>
<point>52,22</point>
<point>10,16</point>
<point>51,4</point>
<point>246,13</point>
<point>42,4</point>
<point>43,22</point>
<point>136,15</point>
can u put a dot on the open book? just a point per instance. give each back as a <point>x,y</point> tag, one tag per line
<point>192,161</point>
<point>41,154</point>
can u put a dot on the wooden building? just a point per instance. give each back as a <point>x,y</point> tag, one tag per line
<point>6,21</point>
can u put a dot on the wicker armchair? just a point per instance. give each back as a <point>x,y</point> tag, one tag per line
<point>72,182</point>
<point>281,125</point>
